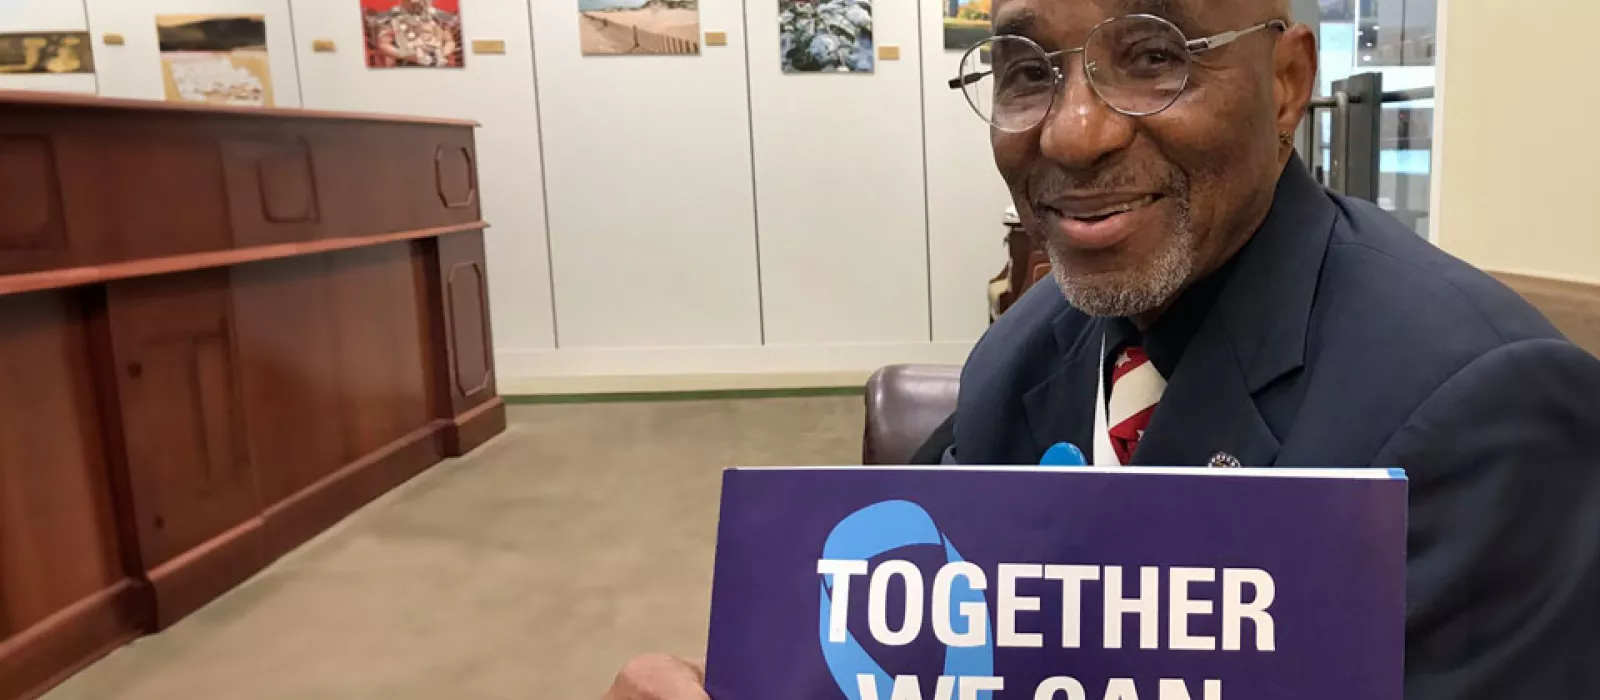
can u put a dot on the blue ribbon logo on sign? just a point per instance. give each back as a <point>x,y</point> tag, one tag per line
<point>867,533</point>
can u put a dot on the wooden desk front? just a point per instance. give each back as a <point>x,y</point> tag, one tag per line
<point>221,331</point>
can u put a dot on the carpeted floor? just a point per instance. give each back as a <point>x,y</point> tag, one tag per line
<point>532,568</point>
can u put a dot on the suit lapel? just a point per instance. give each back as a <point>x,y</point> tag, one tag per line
<point>1254,335</point>
<point>1206,409</point>
<point>1061,408</point>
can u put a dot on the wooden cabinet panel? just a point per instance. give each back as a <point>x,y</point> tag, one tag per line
<point>272,188</point>
<point>455,177</point>
<point>331,359</point>
<point>380,326</point>
<point>147,193</point>
<point>464,352</point>
<point>58,542</point>
<point>290,372</point>
<point>465,304</point>
<point>395,177</point>
<point>30,195</point>
<point>33,230</point>
<point>188,465</point>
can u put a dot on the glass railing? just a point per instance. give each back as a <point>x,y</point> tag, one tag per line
<point>1394,39</point>
<point>1376,144</point>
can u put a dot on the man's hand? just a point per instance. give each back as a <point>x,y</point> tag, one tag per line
<point>659,677</point>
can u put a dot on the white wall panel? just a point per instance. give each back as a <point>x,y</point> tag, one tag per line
<point>839,190</point>
<point>644,369</point>
<point>966,196</point>
<point>497,91</point>
<point>83,83</point>
<point>42,15</point>
<point>1514,192</point>
<point>134,70</point>
<point>647,160</point>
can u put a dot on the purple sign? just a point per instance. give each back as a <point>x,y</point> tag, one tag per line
<point>1059,584</point>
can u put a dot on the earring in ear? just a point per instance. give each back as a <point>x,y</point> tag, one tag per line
<point>1285,138</point>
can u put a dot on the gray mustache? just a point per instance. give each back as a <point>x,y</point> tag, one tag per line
<point>1046,184</point>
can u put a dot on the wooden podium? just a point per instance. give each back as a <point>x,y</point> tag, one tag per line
<point>221,331</point>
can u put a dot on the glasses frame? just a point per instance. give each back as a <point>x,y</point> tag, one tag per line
<point>1193,46</point>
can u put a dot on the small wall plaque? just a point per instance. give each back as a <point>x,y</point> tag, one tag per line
<point>322,46</point>
<point>716,38</point>
<point>889,53</point>
<point>113,40</point>
<point>488,46</point>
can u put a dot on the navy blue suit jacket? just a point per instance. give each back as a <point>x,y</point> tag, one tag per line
<point>1341,338</point>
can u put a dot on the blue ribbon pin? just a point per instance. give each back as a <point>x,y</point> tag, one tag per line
<point>1063,454</point>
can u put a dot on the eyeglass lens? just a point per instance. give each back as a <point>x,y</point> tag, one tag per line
<point>1137,65</point>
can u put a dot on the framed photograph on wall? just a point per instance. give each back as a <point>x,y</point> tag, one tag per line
<point>825,36</point>
<point>46,52</point>
<point>413,33</point>
<point>217,59</point>
<point>639,27</point>
<point>966,22</point>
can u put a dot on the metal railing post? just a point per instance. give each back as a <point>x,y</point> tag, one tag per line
<point>1356,123</point>
<point>1357,110</point>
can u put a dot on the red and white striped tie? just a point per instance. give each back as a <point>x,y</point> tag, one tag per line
<point>1136,388</point>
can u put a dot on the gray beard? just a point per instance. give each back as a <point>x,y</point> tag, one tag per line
<point>1129,292</point>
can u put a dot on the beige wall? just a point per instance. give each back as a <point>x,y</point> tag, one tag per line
<point>1517,184</point>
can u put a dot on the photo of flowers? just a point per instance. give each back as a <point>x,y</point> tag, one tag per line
<point>825,36</point>
<point>966,22</point>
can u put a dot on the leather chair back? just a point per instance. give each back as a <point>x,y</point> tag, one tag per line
<point>1573,307</point>
<point>905,404</point>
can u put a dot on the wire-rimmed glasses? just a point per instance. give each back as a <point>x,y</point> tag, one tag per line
<point>1137,64</point>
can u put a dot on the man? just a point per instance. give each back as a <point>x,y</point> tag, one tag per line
<point>1216,306</point>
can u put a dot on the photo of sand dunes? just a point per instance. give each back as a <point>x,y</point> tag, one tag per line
<point>639,27</point>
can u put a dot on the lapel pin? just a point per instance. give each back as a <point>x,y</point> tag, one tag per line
<point>1223,459</point>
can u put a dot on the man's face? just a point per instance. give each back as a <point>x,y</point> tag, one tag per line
<point>1133,209</point>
